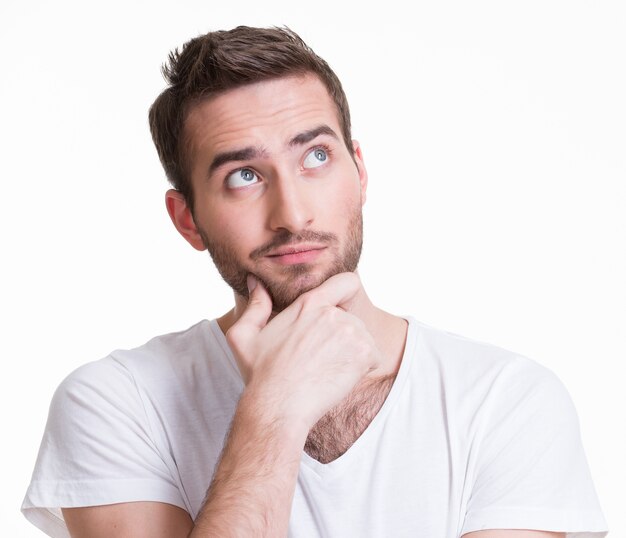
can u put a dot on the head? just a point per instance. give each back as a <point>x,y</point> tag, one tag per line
<point>224,60</point>
<point>254,134</point>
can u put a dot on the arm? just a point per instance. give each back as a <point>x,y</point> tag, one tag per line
<point>250,494</point>
<point>296,367</point>
<point>531,470</point>
<point>513,534</point>
<point>128,520</point>
<point>253,486</point>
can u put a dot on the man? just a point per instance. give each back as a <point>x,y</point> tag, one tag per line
<point>305,410</point>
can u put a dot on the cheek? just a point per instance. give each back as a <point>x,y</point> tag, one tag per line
<point>233,231</point>
<point>351,196</point>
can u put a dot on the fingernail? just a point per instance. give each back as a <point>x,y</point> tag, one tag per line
<point>251,283</point>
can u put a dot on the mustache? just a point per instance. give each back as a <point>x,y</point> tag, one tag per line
<point>286,238</point>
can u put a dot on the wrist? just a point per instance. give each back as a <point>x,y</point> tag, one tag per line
<point>264,412</point>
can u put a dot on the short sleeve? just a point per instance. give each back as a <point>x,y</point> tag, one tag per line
<point>531,471</point>
<point>97,449</point>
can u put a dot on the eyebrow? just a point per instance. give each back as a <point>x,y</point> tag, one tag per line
<point>252,152</point>
<point>306,136</point>
<point>243,154</point>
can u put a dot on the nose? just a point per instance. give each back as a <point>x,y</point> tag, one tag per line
<point>291,205</point>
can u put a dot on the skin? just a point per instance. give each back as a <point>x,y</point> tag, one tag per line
<point>305,336</point>
<point>289,201</point>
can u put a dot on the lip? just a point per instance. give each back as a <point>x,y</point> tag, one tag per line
<point>293,254</point>
<point>294,249</point>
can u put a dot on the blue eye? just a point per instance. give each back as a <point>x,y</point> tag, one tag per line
<point>315,158</point>
<point>241,178</point>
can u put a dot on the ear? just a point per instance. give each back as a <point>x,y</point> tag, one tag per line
<point>183,219</point>
<point>360,165</point>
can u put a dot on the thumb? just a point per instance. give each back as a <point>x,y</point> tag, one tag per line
<point>241,335</point>
<point>259,307</point>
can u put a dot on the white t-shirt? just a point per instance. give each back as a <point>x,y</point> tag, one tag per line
<point>470,437</point>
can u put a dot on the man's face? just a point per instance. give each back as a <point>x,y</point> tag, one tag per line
<point>277,193</point>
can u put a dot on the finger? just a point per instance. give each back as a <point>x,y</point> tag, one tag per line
<point>339,290</point>
<point>259,307</point>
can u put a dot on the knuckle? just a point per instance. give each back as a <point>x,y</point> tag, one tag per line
<point>353,278</point>
<point>349,329</point>
<point>364,348</point>
<point>331,316</point>
<point>234,335</point>
<point>254,302</point>
<point>350,280</point>
<point>306,300</point>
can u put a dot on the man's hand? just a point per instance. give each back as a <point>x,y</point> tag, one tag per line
<point>310,356</point>
<point>296,367</point>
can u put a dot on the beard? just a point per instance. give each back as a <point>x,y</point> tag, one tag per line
<point>286,283</point>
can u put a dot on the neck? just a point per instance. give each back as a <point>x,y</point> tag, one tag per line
<point>388,331</point>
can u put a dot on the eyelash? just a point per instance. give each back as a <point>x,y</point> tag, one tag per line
<point>326,148</point>
<point>329,152</point>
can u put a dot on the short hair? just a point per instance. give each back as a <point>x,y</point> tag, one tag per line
<point>219,61</point>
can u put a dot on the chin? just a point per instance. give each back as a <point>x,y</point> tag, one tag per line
<point>286,292</point>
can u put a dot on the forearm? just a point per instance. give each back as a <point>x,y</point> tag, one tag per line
<point>253,484</point>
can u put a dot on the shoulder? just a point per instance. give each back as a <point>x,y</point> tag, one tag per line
<point>478,369</point>
<point>465,354</point>
<point>175,347</point>
<point>123,372</point>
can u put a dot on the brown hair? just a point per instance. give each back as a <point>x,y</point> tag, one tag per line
<point>224,60</point>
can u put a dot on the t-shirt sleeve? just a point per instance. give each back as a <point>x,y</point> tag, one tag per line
<point>97,449</point>
<point>531,470</point>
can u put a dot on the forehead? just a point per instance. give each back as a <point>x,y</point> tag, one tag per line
<point>266,113</point>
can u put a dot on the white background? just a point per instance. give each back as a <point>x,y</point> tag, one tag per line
<point>495,139</point>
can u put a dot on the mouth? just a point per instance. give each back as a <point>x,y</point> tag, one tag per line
<point>294,254</point>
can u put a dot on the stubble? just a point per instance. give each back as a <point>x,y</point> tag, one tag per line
<point>286,283</point>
